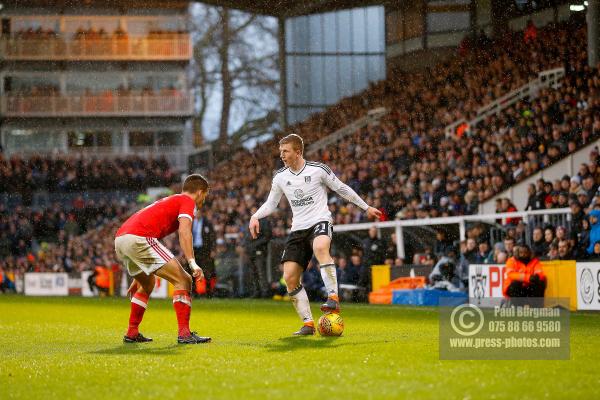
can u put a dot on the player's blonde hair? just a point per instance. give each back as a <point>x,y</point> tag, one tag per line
<point>295,140</point>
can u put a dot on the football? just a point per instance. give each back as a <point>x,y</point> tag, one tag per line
<point>331,325</point>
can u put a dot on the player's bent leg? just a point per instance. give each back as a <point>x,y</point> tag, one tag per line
<point>321,246</point>
<point>139,303</point>
<point>174,273</point>
<point>292,273</point>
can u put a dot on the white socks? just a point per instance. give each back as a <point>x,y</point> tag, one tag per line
<point>301,304</point>
<point>329,275</point>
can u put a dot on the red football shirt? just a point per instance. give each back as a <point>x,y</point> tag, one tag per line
<point>160,218</point>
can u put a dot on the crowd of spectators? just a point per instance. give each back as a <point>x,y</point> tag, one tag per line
<point>408,168</point>
<point>78,240</point>
<point>405,165</point>
<point>91,34</point>
<point>77,174</point>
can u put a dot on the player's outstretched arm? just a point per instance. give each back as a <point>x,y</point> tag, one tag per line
<point>350,195</point>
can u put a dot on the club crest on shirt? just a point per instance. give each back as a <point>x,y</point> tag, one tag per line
<point>307,179</point>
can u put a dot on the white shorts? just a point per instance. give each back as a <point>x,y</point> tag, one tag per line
<point>141,254</point>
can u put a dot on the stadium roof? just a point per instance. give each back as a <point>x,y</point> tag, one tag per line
<point>277,8</point>
<point>290,8</point>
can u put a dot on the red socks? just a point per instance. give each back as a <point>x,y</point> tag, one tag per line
<point>139,303</point>
<point>182,302</point>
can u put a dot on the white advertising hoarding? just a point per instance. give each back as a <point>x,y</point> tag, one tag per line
<point>485,284</point>
<point>588,286</point>
<point>46,284</point>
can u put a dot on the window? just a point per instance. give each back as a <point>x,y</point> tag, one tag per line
<point>359,31</point>
<point>140,138</point>
<point>168,138</point>
<point>80,139</point>
<point>328,60</point>
<point>104,139</point>
<point>447,21</point>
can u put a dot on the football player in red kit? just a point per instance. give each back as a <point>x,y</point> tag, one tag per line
<point>137,245</point>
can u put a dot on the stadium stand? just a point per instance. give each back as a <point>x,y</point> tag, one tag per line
<point>407,167</point>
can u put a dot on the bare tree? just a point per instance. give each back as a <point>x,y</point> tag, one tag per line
<point>236,63</point>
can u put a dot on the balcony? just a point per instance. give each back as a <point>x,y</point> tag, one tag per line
<point>104,105</point>
<point>175,47</point>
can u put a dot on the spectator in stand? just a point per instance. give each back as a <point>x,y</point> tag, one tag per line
<point>524,278</point>
<point>500,257</point>
<point>442,244</point>
<point>374,248</point>
<point>509,245</point>
<point>204,243</point>
<point>313,283</point>
<point>549,235</point>
<point>594,218</point>
<point>552,251</point>
<point>470,252</point>
<point>595,254</point>
<point>530,33</point>
<point>483,253</point>
<point>445,276</point>
<point>538,246</point>
<point>582,239</point>
<point>532,199</point>
<point>564,250</point>
<point>350,274</point>
<point>257,252</point>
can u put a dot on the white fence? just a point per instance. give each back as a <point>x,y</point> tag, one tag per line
<point>545,79</point>
<point>538,216</point>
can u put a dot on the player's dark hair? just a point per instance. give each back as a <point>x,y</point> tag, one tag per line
<point>195,182</point>
<point>295,140</point>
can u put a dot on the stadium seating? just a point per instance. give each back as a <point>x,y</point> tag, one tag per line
<point>406,166</point>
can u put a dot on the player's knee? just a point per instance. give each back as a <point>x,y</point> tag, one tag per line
<point>291,281</point>
<point>185,281</point>
<point>321,249</point>
<point>148,287</point>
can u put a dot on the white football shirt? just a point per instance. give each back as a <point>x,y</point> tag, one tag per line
<point>307,194</point>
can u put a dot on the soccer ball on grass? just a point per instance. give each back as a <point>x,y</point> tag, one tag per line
<point>331,324</point>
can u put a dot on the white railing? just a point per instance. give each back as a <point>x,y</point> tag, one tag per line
<point>94,105</point>
<point>460,221</point>
<point>549,78</point>
<point>178,47</point>
<point>372,116</point>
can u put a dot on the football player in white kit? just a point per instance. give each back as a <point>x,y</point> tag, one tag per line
<point>304,184</point>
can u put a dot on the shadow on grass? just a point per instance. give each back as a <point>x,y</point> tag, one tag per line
<point>294,342</point>
<point>139,349</point>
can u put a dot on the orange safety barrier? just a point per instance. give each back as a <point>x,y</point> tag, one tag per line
<point>384,294</point>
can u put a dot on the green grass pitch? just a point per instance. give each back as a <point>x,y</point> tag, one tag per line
<point>61,348</point>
